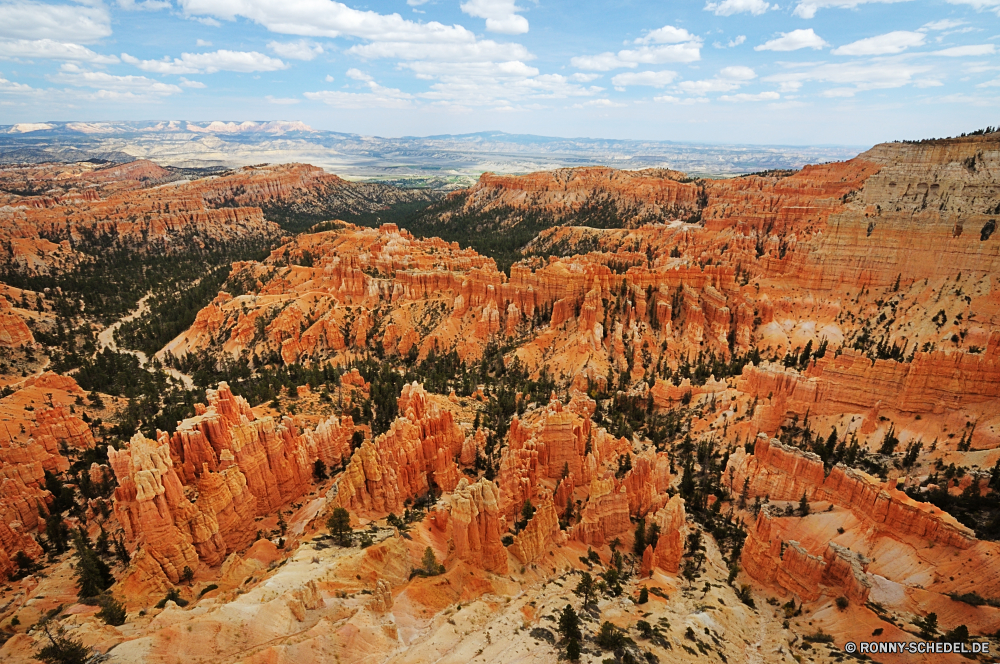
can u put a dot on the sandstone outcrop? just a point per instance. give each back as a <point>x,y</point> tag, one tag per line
<point>788,565</point>
<point>416,454</point>
<point>540,535</point>
<point>13,330</point>
<point>474,524</point>
<point>786,473</point>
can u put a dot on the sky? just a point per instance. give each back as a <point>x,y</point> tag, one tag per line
<point>804,72</point>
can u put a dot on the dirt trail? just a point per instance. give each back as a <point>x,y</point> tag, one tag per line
<point>106,339</point>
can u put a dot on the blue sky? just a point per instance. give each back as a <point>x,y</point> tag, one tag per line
<point>730,71</point>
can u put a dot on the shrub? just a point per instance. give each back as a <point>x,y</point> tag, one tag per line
<point>842,602</point>
<point>610,637</point>
<point>112,611</point>
<point>207,589</point>
<point>173,595</point>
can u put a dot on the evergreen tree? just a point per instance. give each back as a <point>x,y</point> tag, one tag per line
<point>121,551</point>
<point>63,650</point>
<point>57,532</point>
<point>319,470</point>
<point>339,524</point>
<point>569,624</point>
<point>93,574</point>
<point>803,505</point>
<point>639,545</point>
<point>585,588</point>
<point>430,564</point>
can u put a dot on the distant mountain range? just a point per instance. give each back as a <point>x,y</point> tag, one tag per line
<point>443,161</point>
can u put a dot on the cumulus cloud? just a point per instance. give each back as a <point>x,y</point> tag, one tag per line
<point>793,41</point>
<point>668,34</point>
<point>15,87</point>
<point>943,24</point>
<point>146,5</point>
<point>208,63</point>
<point>62,23</point>
<point>851,78</point>
<point>730,7</point>
<point>201,43</point>
<point>646,55</point>
<point>302,49</point>
<point>684,101</point>
<point>113,87</point>
<point>281,100</point>
<point>501,15</point>
<point>768,95</point>
<point>966,51</point>
<point>358,75</point>
<point>484,50</point>
<point>53,50</point>
<point>191,84</point>
<point>808,8</point>
<point>377,97</point>
<point>601,103</point>
<point>979,5</point>
<point>727,80</point>
<point>326,18</point>
<point>656,79</point>
<point>889,43</point>
<point>666,44</point>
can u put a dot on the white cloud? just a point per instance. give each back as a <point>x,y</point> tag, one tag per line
<point>700,88</point>
<point>730,7</point>
<point>601,103</point>
<point>302,49</point>
<point>113,87</point>
<point>966,51</point>
<point>208,63</point>
<point>62,23</point>
<point>281,100</point>
<point>979,5</point>
<point>647,55</point>
<point>736,42</point>
<point>889,43</point>
<point>417,3</point>
<point>329,79</point>
<point>853,77</point>
<point>793,41</point>
<point>358,75</point>
<point>53,50</point>
<point>146,5</point>
<point>484,50</point>
<point>808,8</point>
<point>995,83</point>
<point>191,84</point>
<point>501,15</point>
<point>18,88</point>
<point>326,18</point>
<point>202,43</point>
<point>580,77</point>
<point>727,80</point>
<point>943,24</point>
<point>737,73</point>
<point>499,70</point>
<point>668,34</point>
<point>379,97</point>
<point>769,95</point>
<point>656,79</point>
<point>682,101</point>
